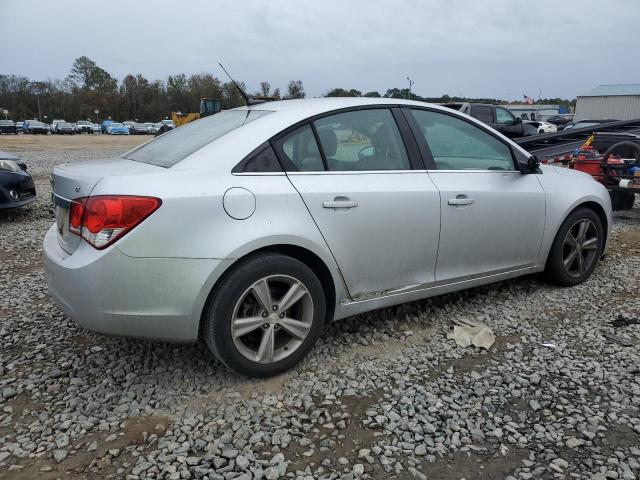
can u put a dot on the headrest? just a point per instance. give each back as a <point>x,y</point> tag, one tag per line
<point>329,141</point>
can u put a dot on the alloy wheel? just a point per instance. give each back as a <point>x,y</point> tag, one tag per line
<point>272,318</point>
<point>580,247</point>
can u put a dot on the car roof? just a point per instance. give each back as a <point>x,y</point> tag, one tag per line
<point>309,107</point>
<point>238,143</point>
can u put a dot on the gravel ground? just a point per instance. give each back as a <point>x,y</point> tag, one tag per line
<point>383,395</point>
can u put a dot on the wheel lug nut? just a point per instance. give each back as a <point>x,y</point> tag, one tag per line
<point>264,314</point>
<point>276,326</point>
<point>265,326</point>
<point>282,315</point>
<point>275,307</point>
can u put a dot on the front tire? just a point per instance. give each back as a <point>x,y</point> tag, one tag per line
<point>265,315</point>
<point>577,248</point>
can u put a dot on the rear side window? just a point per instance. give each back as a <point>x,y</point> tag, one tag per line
<point>174,146</point>
<point>484,114</point>
<point>299,151</point>
<point>264,160</point>
<point>362,140</point>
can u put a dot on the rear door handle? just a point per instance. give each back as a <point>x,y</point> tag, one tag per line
<point>460,200</point>
<point>340,202</point>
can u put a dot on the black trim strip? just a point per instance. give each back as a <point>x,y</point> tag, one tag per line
<point>320,147</point>
<point>408,138</point>
<point>423,148</point>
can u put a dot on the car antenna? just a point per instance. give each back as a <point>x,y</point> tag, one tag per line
<point>247,99</point>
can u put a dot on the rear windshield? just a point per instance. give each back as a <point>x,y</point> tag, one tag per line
<point>174,146</point>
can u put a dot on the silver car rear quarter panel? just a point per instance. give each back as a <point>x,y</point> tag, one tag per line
<point>109,292</point>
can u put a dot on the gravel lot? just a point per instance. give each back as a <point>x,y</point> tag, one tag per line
<point>384,395</point>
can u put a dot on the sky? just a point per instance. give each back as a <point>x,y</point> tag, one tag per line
<point>498,48</point>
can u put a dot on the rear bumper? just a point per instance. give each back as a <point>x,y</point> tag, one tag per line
<point>111,293</point>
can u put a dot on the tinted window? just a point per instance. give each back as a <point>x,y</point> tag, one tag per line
<point>174,146</point>
<point>503,116</point>
<point>362,140</point>
<point>263,161</point>
<point>299,151</point>
<point>6,122</point>
<point>458,145</point>
<point>484,114</point>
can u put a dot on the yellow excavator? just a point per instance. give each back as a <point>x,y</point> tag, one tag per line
<point>208,106</point>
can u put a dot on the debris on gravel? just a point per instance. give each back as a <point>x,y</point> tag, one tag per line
<point>383,395</point>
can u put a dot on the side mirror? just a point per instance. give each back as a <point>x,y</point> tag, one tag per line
<point>532,165</point>
<point>517,121</point>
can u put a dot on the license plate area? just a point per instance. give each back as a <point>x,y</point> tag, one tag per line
<point>67,240</point>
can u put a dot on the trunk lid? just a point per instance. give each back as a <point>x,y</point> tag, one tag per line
<point>70,181</point>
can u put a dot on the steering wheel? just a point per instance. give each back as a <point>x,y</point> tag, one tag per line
<point>361,153</point>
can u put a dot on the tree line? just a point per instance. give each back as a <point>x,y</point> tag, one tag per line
<point>89,88</point>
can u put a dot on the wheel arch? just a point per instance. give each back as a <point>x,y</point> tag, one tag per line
<point>302,254</point>
<point>591,205</point>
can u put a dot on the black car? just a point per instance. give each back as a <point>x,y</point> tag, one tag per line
<point>65,128</point>
<point>588,123</point>
<point>138,129</point>
<point>8,126</point>
<point>560,120</point>
<point>497,117</point>
<point>84,126</point>
<point>34,126</point>
<point>16,185</point>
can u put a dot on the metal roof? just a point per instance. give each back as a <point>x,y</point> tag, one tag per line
<point>613,90</point>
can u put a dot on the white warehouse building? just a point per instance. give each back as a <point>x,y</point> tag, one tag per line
<point>619,102</point>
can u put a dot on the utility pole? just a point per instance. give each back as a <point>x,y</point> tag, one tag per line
<point>411,82</point>
<point>39,113</point>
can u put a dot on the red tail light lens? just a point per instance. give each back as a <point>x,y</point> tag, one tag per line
<point>103,219</point>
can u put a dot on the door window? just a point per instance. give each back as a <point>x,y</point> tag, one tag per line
<point>504,117</point>
<point>299,151</point>
<point>484,114</point>
<point>362,140</point>
<point>456,144</point>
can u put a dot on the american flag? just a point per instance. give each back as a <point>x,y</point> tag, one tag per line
<point>528,100</point>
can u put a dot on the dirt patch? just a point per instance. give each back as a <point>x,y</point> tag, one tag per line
<point>625,242</point>
<point>474,466</point>
<point>95,464</point>
<point>40,143</point>
<point>346,442</point>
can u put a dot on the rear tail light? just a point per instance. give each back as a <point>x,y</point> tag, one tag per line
<point>103,219</point>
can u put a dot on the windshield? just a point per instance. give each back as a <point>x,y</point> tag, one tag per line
<point>116,124</point>
<point>35,123</point>
<point>174,146</point>
<point>6,122</point>
<point>82,122</point>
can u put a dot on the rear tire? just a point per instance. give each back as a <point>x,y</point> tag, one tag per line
<point>577,248</point>
<point>258,334</point>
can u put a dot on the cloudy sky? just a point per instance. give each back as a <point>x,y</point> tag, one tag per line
<point>497,48</point>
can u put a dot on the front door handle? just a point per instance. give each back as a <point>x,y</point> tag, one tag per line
<point>340,202</point>
<point>460,200</point>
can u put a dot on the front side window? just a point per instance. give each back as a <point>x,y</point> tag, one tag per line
<point>362,140</point>
<point>176,145</point>
<point>503,116</point>
<point>459,145</point>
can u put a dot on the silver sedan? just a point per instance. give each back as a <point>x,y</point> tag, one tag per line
<point>253,227</point>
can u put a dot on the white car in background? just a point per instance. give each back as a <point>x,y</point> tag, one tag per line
<point>54,125</point>
<point>542,127</point>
